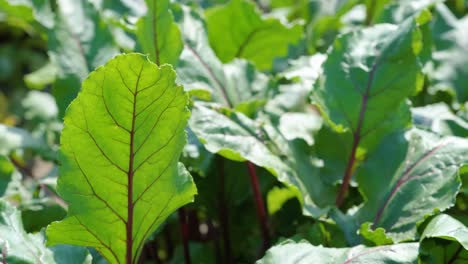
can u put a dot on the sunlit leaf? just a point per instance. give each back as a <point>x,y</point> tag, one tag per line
<point>119,156</point>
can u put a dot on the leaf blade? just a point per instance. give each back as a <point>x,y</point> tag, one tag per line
<point>126,124</point>
<point>419,177</point>
<point>380,68</point>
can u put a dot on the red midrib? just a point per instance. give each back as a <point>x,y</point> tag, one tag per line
<point>356,138</point>
<point>129,224</point>
<point>212,75</point>
<point>404,178</point>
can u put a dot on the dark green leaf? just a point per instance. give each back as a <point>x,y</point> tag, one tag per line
<point>6,171</point>
<point>396,12</point>
<point>39,215</point>
<point>408,178</point>
<point>378,69</point>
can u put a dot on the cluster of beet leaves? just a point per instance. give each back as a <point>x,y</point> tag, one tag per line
<point>312,131</point>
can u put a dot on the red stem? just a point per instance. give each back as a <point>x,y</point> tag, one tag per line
<point>129,224</point>
<point>260,206</point>
<point>348,173</point>
<point>185,234</point>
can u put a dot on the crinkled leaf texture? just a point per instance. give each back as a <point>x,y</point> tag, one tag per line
<point>158,35</point>
<point>409,177</point>
<point>444,240</point>
<point>237,29</point>
<point>237,137</point>
<point>379,68</point>
<point>290,252</point>
<point>20,247</point>
<point>15,243</point>
<point>119,154</point>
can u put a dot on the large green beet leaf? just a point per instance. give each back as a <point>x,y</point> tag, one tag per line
<point>366,78</point>
<point>119,156</point>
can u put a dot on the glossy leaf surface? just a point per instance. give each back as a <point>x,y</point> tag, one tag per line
<point>239,138</point>
<point>379,68</point>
